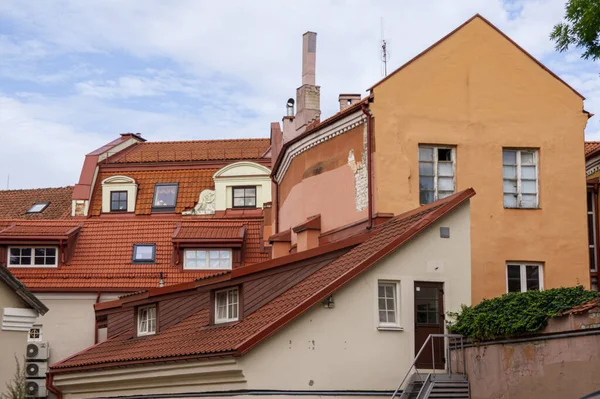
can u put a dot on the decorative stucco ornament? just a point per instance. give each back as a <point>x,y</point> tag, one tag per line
<point>206,204</point>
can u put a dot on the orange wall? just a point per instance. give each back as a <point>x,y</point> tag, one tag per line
<point>320,181</point>
<point>479,92</point>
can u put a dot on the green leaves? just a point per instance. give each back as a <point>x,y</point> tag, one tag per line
<point>580,28</point>
<point>516,314</point>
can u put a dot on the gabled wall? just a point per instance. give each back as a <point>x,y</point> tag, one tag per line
<point>477,91</point>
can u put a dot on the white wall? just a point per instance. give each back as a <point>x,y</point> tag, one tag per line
<point>241,174</point>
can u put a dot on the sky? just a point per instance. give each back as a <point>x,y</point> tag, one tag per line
<point>74,74</point>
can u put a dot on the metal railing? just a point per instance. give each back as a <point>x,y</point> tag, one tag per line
<point>448,362</point>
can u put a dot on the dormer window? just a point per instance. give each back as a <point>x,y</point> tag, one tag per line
<point>200,259</point>
<point>118,201</point>
<point>38,207</point>
<point>144,253</point>
<point>32,257</point>
<point>226,306</point>
<point>165,197</point>
<point>244,197</point>
<point>146,320</point>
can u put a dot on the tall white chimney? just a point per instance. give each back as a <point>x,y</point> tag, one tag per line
<point>308,96</point>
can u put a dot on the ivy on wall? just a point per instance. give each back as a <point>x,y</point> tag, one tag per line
<point>517,313</point>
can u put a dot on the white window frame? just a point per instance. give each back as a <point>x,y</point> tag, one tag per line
<point>435,168</point>
<point>39,338</point>
<point>207,259</point>
<point>396,287</point>
<point>228,318</point>
<point>32,264</point>
<point>523,278</point>
<point>536,163</point>
<point>150,317</point>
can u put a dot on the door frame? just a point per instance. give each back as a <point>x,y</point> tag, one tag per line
<point>442,317</point>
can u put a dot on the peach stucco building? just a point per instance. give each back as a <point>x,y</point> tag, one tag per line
<point>473,110</point>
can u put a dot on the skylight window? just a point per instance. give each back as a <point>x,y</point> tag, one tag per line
<point>144,253</point>
<point>38,207</point>
<point>165,197</point>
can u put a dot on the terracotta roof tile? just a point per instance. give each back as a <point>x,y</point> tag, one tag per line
<point>38,229</point>
<point>191,183</point>
<point>591,146</point>
<point>15,203</point>
<point>194,231</point>
<point>190,338</point>
<point>102,259</point>
<point>584,307</point>
<point>200,150</point>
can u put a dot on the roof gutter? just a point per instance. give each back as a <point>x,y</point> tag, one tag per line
<point>50,385</point>
<point>363,108</point>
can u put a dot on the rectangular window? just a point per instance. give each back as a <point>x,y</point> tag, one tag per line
<point>244,197</point>
<point>144,253</point>
<point>521,277</point>
<point>436,173</point>
<point>387,303</point>
<point>207,259</point>
<point>592,234</point>
<point>165,196</point>
<point>38,207</point>
<point>147,320</point>
<point>118,201</point>
<point>226,306</point>
<point>32,256</point>
<point>35,333</point>
<point>520,173</point>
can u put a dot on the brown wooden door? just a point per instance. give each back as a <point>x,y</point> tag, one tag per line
<point>429,319</point>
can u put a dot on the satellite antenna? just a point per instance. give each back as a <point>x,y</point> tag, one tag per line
<point>384,52</point>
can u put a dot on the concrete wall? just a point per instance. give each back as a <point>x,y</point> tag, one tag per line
<point>12,343</point>
<point>480,93</point>
<point>324,349</point>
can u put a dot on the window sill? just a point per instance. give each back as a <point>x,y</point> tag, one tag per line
<point>523,209</point>
<point>390,328</point>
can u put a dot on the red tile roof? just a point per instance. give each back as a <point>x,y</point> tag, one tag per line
<point>194,231</point>
<point>14,204</point>
<point>191,183</point>
<point>591,146</point>
<point>188,338</point>
<point>584,307</point>
<point>200,150</point>
<point>39,229</point>
<point>102,260</point>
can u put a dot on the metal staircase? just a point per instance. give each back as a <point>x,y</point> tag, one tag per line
<point>447,384</point>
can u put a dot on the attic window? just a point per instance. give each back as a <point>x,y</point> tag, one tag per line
<point>38,207</point>
<point>244,197</point>
<point>144,253</point>
<point>207,259</point>
<point>226,306</point>
<point>146,320</point>
<point>165,197</point>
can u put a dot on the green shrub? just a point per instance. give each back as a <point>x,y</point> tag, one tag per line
<point>516,314</point>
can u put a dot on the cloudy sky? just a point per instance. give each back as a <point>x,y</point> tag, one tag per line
<point>74,74</point>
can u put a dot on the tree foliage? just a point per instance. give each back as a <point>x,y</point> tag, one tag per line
<point>15,388</point>
<point>580,28</point>
<point>516,314</point>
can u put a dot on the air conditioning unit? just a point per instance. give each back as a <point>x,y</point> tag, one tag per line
<point>38,351</point>
<point>36,388</point>
<point>36,370</point>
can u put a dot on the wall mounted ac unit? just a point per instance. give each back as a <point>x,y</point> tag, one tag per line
<point>38,350</point>
<point>36,388</point>
<point>36,370</point>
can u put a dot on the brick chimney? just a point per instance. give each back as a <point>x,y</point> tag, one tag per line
<point>308,96</point>
<point>347,100</point>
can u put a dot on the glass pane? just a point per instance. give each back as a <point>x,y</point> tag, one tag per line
<point>445,169</point>
<point>238,202</point>
<point>532,273</point>
<point>250,202</point>
<point>15,252</point>
<point>144,252</point>
<point>224,254</point>
<point>165,195</point>
<point>382,316</point>
<point>389,291</point>
<point>529,201</point>
<point>382,304</point>
<point>40,252</point>
<point>528,172</point>
<point>391,316</point>
<point>191,263</point>
<point>527,158</point>
<point>433,317</point>
<point>593,259</point>
<point>15,260</point>
<point>510,200</point>
<point>529,186</point>
<point>50,251</point>
<point>250,192</point>
<point>444,194</point>
<point>426,168</point>
<point>509,157</point>
<point>214,254</point>
<point>381,291</point>
<point>422,317</point>
<point>446,183</point>
<point>25,251</point>
<point>425,154</point>
<point>590,201</point>
<point>426,197</point>
<point>190,254</point>
<point>444,154</point>
<point>426,183</point>
<point>514,278</point>
<point>509,172</point>
<point>390,304</point>
<point>50,260</point>
<point>26,260</point>
<point>238,193</point>
<point>510,186</point>
<point>39,260</point>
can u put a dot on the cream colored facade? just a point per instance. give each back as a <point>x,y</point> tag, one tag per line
<point>241,174</point>
<point>119,183</point>
<point>324,349</point>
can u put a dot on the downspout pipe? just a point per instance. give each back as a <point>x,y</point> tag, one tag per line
<point>363,107</point>
<point>96,322</point>
<point>50,386</point>
<point>276,215</point>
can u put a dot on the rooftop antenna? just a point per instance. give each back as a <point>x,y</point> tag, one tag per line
<point>7,182</point>
<point>384,52</point>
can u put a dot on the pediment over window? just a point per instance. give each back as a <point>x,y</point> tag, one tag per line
<point>242,169</point>
<point>242,185</point>
<point>119,194</point>
<point>118,180</point>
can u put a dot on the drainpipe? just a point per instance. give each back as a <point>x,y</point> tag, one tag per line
<point>363,107</point>
<point>276,215</point>
<point>96,322</point>
<point>51,387</point>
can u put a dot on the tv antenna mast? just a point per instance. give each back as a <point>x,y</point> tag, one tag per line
<point>384,53</point>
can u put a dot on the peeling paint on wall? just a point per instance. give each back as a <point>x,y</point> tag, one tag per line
<point>360,175</point>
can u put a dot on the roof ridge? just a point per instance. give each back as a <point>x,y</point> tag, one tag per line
<point>205,141</point>
<point>33,189</point>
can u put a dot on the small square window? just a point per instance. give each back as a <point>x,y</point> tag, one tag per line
<point>144,253</point>
<point>387,304</point>
<point>207,259</point>
<point>118,201</point>
<point>146,320</point>
<point>244,197</point>
<point>165,197</point>
<point>38,207</point>
<point>521,277</point>
<point>35,333</point>
<point>226,306</point>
